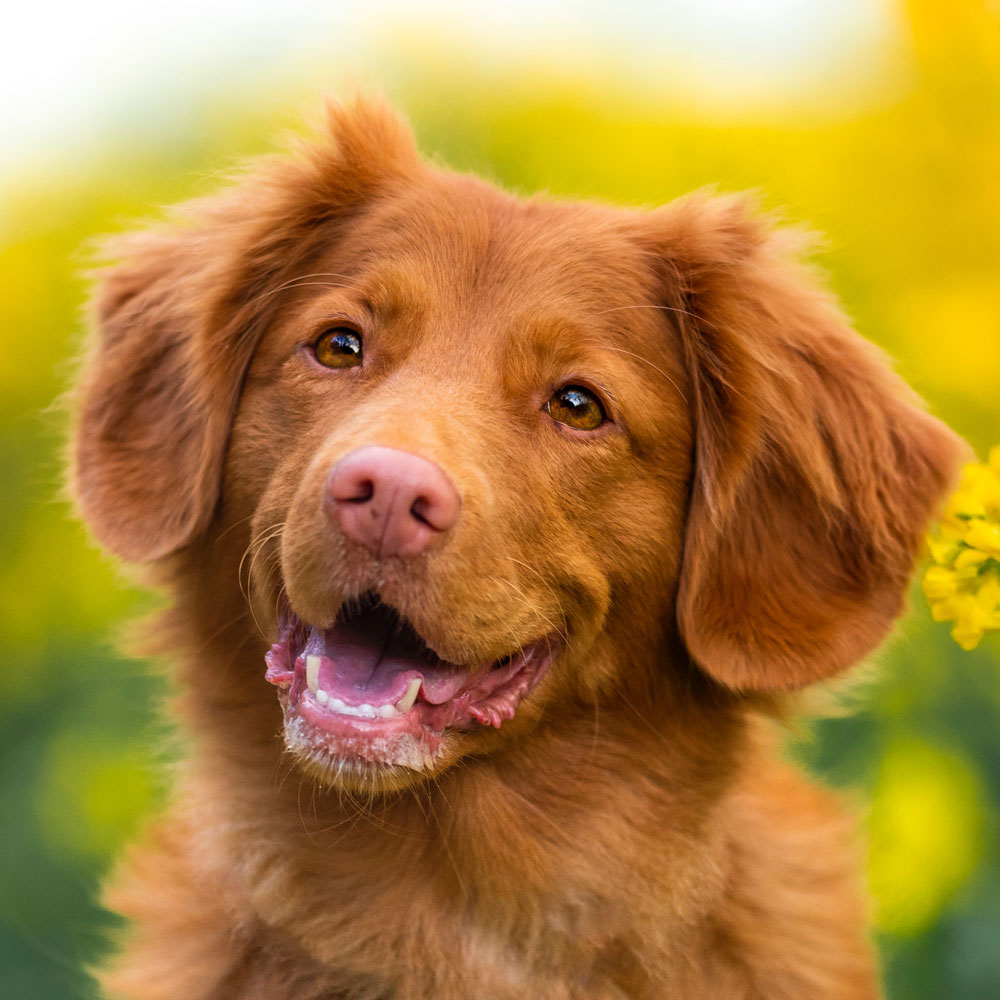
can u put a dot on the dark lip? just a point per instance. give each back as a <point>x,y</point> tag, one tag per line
<point>328,716</point>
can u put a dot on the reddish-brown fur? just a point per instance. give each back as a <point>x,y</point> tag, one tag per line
<point>746,527</point>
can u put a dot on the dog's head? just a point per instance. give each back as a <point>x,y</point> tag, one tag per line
<point>491,460</point>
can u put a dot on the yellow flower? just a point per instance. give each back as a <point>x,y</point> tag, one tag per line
<point>970,621</point>
<point>943,610</point>
<point>945,546</point>
<point>988,599</point>
<point>968,558</point>
<point>984,536</point>
<point>964,504</point>
<point>982,482</point>
<point>967,638</point>
<point>963,585</point>
<point>939,582</point>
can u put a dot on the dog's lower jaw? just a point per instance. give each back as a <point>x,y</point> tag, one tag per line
<point>401,761</point>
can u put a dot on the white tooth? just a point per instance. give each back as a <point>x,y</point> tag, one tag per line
<point>337,705</point>
<point>312,672</point>
<point>406,702</point>
<point>322,697</point>
<point>367,711</point>
<point>388,711</point>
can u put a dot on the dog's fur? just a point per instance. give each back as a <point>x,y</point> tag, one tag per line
<point>742,527</point>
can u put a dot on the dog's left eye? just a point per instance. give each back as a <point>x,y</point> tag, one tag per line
<point>576,407</point>
<point>338,348</point>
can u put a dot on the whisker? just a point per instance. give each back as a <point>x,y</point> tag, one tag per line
<point>533,807</point>
<point>526,603</point>
<point>445,838</point>
<point>215,635</point>
<point>302,819</point>
<point>646,361</point>
<point>303,284</point>
<point>312,274</point>
<point>648,305</point>
<point>218,679</point>
<point>560,631</point>
<point>281,595</point>
<point>234,525</point>
<point>257,540</point>
<point>635,711</point>
<point>299,281</point>
<point>257,544</point>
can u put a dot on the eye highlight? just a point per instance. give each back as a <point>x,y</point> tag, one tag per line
<point>339,347</point>
<point>576,407</point>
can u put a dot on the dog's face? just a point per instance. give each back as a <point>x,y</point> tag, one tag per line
<point>494,461</point>
<point>453,425</point>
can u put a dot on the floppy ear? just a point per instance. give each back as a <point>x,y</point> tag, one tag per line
<point>149,437</point>
<point>177,320</point>
<point>816,469</point>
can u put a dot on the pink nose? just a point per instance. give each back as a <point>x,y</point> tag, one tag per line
<point>391,502</point>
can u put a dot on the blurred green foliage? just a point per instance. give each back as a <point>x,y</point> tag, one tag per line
<point>906,187</point>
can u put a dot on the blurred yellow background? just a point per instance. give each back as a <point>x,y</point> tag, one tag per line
<point>887,140</point>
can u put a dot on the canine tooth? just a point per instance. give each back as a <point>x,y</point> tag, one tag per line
<point>322,697</point>
<point>406,702</point>
<point>312,672</point>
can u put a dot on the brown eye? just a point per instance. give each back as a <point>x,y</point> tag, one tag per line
<point>576,407</point>
<point>338,348</point>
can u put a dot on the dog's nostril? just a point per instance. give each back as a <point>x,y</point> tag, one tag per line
<point>420,511</point>
<point>350,486</point>
<point>362,491</point>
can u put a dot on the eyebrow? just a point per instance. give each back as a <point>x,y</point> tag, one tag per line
<point>388,292</point>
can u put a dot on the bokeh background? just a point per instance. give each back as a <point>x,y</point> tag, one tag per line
<point>875,122</point>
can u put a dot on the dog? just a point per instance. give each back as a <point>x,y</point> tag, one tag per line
<point>498,534</point>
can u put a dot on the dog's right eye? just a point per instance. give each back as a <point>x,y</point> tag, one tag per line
<point>576,407</point>
<point>339,347</point>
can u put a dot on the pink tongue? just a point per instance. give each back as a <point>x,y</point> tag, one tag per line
<point>371,658</point>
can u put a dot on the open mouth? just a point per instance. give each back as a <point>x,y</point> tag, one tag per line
<point>369,689</point>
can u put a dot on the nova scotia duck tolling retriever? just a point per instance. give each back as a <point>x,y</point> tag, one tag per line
<point>497,536</point>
